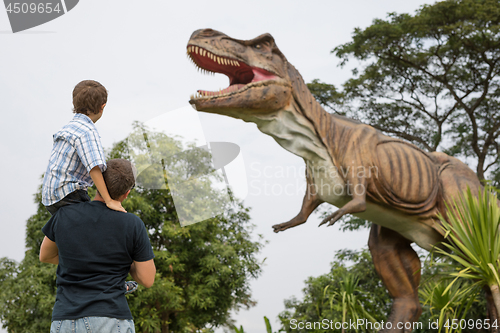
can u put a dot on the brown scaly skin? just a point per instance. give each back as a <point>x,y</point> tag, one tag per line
<point>403,196</point>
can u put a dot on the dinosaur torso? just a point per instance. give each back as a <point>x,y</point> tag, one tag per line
<point>329,175</point>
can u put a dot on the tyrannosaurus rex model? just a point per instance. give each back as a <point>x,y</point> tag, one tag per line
<point>392,183</point>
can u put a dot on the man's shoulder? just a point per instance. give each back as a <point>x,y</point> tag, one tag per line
<point>101,206</point>
<point>94,210</point>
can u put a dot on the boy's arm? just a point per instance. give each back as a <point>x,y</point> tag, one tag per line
<point>49,252</point>
<point>143,272</point>
<point>96,176</point>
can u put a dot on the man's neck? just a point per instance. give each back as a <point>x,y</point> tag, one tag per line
<point>99,198</point>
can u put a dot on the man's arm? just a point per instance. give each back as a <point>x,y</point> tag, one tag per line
<point>98,179</point>
<point>49,252</point>
<point>143,272</point>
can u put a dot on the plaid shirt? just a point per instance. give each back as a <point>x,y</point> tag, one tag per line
<point>77,149</point>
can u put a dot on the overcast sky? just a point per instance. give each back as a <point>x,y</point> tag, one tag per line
<point>137,50</point>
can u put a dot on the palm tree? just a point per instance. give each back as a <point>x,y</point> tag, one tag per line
<point>348,299</point>
<point>472,233</point>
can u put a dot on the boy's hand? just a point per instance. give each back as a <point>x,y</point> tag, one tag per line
<point>115,205</point>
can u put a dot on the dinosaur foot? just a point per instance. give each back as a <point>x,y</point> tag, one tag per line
<point>332,218</point>
<point>282,226</point>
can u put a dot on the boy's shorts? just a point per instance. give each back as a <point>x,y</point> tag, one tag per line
<point>72,198</point>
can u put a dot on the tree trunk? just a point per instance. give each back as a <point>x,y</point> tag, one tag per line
<point>492,311</point>
<point>495,292</point>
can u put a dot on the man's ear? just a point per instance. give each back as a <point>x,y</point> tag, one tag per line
<point>102,107</point>
<point>125,195</point>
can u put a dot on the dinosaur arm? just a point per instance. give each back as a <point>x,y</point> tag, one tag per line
<point>356,205</point>
<point>309,204</point>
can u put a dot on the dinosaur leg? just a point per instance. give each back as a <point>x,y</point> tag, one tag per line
<point>398,266</point>
<point>309,204</point>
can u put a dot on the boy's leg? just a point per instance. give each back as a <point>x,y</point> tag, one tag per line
<point>72,198</point>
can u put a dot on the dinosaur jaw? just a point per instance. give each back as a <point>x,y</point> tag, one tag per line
<point>249,87</point>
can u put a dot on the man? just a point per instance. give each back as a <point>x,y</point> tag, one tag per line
<point>95,248</point>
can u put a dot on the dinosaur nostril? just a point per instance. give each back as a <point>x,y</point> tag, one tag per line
<point>207,32</point>
<point>203,33</point>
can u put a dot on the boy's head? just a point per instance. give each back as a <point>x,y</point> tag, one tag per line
<point>89,97</point>
<point>119,177</point>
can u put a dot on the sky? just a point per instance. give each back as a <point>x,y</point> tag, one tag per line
<point>137,50</point>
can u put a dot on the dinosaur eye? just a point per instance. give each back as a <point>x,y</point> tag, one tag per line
<point>258,46</point>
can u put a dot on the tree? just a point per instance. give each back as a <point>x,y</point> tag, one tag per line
<point>370,298</point>
<point>28,288</point>
<point>203,270</point>
<point>346,292</point>
<point>431,79</point>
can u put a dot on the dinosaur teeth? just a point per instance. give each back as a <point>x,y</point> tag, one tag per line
<point>205,53</point>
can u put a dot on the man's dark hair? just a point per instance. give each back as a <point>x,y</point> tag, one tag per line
<point>89,97</point>
<point>119,177</point>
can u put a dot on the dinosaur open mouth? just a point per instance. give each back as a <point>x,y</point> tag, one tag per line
<point>239,73</point>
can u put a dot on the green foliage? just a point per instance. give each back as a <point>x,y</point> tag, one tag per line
<point>431,78</point>
<point>29,288</point>
<point>268,325</point>
<point>350,290</point>
<point>238,330</point>
<point>446,304</point>
<point>436,299</point>
<point>472,230</point>
<point>203,270</point>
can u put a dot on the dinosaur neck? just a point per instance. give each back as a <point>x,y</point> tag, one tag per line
<point>331,130</point>
<point>293,132</point>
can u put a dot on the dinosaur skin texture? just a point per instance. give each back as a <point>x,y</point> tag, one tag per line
<point>394,184</point>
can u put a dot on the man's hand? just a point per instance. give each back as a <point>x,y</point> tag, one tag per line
<point>96,176</point>
<point>115,205</point>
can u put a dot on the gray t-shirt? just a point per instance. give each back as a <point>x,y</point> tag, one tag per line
<point>96,247</point>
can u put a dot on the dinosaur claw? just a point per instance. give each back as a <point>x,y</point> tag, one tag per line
<point>279,227</point>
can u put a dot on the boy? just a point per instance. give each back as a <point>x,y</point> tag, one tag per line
<point>77,159</point>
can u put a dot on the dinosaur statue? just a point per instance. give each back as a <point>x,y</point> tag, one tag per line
<point>394,184</point>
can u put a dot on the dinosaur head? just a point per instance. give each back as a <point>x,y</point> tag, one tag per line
<point>257,72</point>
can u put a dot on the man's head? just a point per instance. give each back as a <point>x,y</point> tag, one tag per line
<point>119,178</point>
<point>89,97</point>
